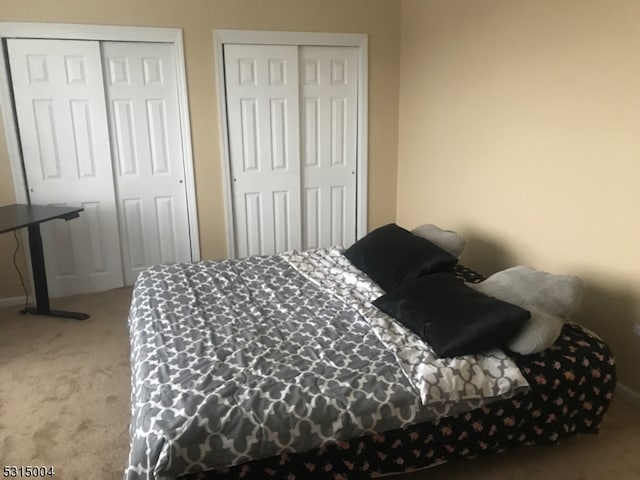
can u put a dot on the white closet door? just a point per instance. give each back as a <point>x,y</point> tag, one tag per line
<point>144,117</point>
<point>263,108</point>
<point>329,84</point>
<point>59,99</point>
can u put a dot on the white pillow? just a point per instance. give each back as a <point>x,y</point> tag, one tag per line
<point>447,240</point>
<point>550,299</point>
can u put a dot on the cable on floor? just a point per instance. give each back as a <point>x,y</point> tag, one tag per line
<point>15,264</point>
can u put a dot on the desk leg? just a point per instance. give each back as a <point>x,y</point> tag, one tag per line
<point>39,273</point>
<point>40,280</point>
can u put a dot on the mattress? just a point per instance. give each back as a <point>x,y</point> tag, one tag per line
<point>269,366</point>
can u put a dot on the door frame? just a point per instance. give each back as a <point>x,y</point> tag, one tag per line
<point>258,37</point>
<point>68,31</point>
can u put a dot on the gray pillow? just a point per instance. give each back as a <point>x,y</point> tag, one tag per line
<point>446,239</point>
<point>529,288</point>
<point>550,299</point>
<point>537,334</point>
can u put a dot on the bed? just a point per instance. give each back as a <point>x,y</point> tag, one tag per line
<point>280,367</point>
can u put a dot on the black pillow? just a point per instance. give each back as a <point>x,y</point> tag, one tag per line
<point>451,317</point>
<point>393,256</point>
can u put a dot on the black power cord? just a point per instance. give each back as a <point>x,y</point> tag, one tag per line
<point>15,264</point>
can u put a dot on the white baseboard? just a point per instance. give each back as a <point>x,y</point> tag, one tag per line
<point>11,301</point>
<point>629,394</point>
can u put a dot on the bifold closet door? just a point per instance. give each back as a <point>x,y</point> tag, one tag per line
<point>142,103</point>
<point>262,108</point>
<point>59,101</point>
<point>329,103</point>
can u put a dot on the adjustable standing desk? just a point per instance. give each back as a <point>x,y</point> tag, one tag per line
<point>14,217</point>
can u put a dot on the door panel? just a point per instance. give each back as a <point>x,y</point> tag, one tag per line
<point>263,109</point>
<point>329,86</point>
<point>149,170</point>
<point>59,99</point>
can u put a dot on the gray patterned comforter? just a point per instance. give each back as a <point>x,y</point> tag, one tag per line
<point>242,359</point>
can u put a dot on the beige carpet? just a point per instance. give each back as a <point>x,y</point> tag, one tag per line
<point>64,401</point>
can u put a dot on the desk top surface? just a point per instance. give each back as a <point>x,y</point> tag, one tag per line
<point>13,217</point>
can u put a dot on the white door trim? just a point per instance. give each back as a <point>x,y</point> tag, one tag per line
<point>99,33</point>
<point>255,37</point>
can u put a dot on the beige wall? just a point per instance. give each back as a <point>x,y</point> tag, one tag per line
<point>380,19</point>
<point>9,280</point>
<point>519,126</point>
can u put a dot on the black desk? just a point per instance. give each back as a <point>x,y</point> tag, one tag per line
<point>13,217</point>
